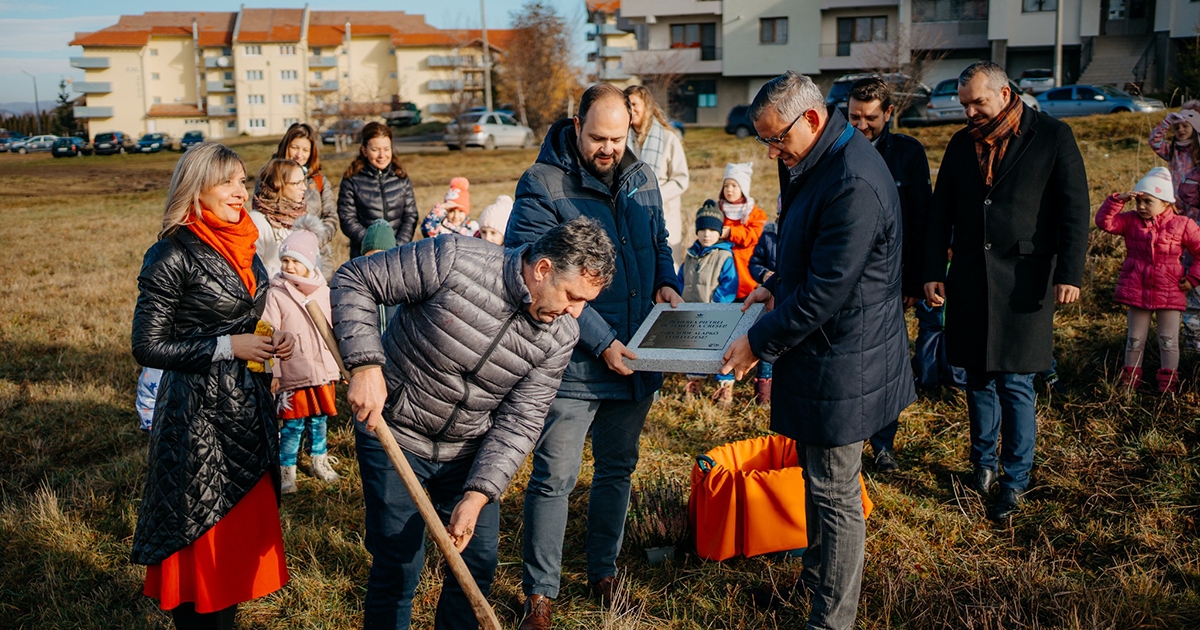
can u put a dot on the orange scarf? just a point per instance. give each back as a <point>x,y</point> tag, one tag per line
<point>233,241</point>
<point>992,138</point>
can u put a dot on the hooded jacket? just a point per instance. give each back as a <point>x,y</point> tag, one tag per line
<point>709,274</point>
<point>311,364</point>
<point>1152,269</point>
<point>556,189</point>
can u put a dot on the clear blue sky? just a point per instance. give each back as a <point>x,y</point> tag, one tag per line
<point>34,34</point>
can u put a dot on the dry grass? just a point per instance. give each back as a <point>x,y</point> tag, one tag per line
<point>1109,539</point>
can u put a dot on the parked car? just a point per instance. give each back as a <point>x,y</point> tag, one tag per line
<point>190,139</point>
<point>943,106</point>
<point>488,130</point>
<point>349,128</point>
<point>1082,100</point>
<point>407,115</point>
<point>153,143</point>
<point>34,144</point>
<point>68,147</point>
<point>738,123</point>
<point>1036,80</point>
<point>8,138</point>
<point>112,142</point>
<point>917,95</point>
<point>502,110</point>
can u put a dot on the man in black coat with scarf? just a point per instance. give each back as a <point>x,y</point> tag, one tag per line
<point>835,330</point>
<point>1012,203</point>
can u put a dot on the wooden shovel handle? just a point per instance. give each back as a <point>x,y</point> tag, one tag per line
<point>433,521</point>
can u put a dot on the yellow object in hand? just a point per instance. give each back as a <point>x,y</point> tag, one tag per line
<point>262,329</point>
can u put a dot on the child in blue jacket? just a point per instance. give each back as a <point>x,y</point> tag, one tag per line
<point>708,274</point>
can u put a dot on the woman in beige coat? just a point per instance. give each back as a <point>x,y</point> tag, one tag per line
<point>652,139</point>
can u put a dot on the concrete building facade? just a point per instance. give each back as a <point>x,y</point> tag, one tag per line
<point>257,71</point>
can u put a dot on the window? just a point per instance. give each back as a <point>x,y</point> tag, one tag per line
<point>153,76</point>
<point>255,99</point>
<point>229,100</point>
<point>252,51</point>
<point>287,75</point>
<point>1085,94</point>
<point>157,100</point>
<point>949,10</point>
<point>317,74</point>
<point>153,52</point>
<point>1059,95</point>
<point>391,75</point>
<point>288,122</point>
<point>231,124</point>
<point>258,123</point>
<point>254,75</point>
<point>702,36</point>
<point>1034,6</point>
<point>287,51</point>
<point>316,52</point>
<point>772,31</point>
<point>229,76</point>
<point>860,29</point>
<point>290,99</point>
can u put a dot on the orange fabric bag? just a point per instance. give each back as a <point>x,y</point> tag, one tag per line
<point>748,499</point>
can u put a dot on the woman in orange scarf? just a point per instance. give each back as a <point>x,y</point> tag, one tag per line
<point>208,525</point>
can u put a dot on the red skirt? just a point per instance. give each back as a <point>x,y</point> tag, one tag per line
<point>237,560</point>
<point>306,402</point>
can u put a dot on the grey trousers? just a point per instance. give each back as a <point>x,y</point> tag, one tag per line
<point>837,533</point>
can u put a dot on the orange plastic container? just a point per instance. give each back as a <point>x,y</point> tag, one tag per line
<point>748,499</point>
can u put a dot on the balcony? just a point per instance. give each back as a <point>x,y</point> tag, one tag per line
<point>217,63</point>
<point>659,8</point>
<point>89,63</point>
<point>221,111</point>
<point>613,74</point>
<point>706,60</point>
<point>856,55</point>
<point>444,85</point>
<point>226,85</point>
<point>441,108</point>
<point>857,4</point>
<point>453,61</point>
<point>612,52</point>
<point>92,87</point>
<point>949,35</point>
<point>322,61</point>
<point>83,111</point>
<point>330,85</point>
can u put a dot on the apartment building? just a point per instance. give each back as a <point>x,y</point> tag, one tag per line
<point>719,53</point>
<point>257,71</point>
<point>613,37</point>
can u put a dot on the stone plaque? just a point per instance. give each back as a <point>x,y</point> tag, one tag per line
<point>691,338</point>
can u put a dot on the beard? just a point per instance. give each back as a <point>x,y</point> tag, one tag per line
<point>601,170</point>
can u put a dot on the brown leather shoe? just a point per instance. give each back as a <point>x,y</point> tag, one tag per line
<point>604,589</point>
<point>537,613</point>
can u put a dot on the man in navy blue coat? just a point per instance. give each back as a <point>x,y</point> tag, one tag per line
<point>835,329</point>
<point>584,170</point>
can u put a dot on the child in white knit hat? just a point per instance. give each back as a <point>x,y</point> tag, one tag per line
<point>494,219</point>
<point>744,221</point>
<point>304,384</point>
<point>1152,280</point>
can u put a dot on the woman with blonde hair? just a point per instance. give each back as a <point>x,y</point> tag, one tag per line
<point>652,139</point>
<point>376,186</point>
<point>302,145</point>
<point>208,526</point>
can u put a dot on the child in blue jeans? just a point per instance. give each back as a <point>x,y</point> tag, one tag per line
<point>708,274</point>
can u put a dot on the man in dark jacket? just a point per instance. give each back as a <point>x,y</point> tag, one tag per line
<point>870,111</point>
<point>835,328</point>
<point>1012,203</point>
<point>462,378</point>
<point>584,170</point>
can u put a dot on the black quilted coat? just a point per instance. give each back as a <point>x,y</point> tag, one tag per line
<point>374,194</point>
<point>214,434</point>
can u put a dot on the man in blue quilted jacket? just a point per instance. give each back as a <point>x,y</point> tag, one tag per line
<point>584,170</point>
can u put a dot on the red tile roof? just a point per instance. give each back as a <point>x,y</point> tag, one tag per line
<point>176,111</point>
<point>603,6</point>
<point>216,29</point>
<point>270,25</point>
<point>497,38</point>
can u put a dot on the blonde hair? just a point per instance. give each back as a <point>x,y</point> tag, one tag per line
<point>201,168</point>
<point>651,110</point>
<point>273,177</point>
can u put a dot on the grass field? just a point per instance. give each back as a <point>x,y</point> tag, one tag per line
<point>1108,538</point>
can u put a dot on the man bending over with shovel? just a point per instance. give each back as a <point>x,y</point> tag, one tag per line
<point>463,378</point>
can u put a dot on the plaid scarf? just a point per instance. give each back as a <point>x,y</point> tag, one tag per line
<point>280,212</point>
<point>653,146</point>
<point>992,138</point>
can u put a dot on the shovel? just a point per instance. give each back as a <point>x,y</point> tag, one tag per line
<point>433,522</point>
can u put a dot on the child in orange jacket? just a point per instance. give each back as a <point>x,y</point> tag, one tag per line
<point>744,221</point>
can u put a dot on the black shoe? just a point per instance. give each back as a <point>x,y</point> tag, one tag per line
<point>768,597</point>
<point>885,461</point>
<point>1007,504</point>
<point>984,480</point>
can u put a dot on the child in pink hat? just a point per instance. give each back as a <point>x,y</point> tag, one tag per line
<point>1152,280</point>
<point>450,216</point>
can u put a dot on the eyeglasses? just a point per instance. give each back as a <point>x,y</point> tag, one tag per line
<point>778,140</point>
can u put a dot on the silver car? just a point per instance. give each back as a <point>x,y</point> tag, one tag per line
<point>1037,80</point>
<point>944,107</point>
<point>488,130</point>
<point>1083,100</point>
<point>34,144</point>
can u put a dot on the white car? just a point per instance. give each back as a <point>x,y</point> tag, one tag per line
<point>34,144</point>
<point>1036,80</point>
<point>488,130</point>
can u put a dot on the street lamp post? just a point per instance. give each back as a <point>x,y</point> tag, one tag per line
<point>487,58</point>
<point>37,108</point>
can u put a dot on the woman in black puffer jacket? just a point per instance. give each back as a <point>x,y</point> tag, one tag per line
<point>375,186</point>
<point>208,524</point>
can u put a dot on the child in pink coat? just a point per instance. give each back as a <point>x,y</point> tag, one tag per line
<point>1152,280</point>
<point>304,384</point>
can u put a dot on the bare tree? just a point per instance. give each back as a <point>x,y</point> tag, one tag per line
<point>905,60</point>
<point>661,72</point>
<point>540,74</point>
